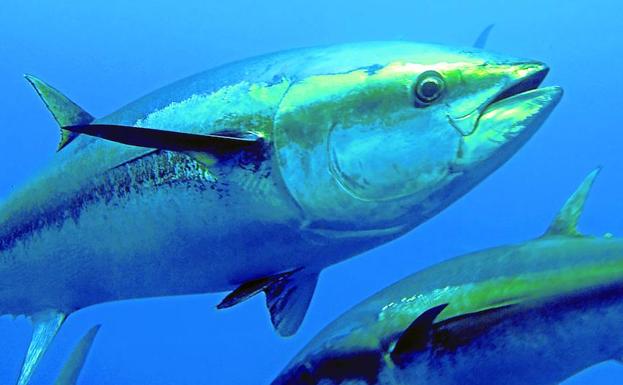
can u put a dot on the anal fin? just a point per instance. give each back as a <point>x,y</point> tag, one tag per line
<point>288,296</point>
<point>45,327</point>
<point>72,368</point>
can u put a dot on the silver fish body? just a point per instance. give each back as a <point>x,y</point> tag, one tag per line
<point>533,313</point>
<point>107,221</point>
<point>255,176</point>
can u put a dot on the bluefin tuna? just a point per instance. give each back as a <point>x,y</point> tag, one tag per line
<point>255,176</point>
<point>533,313</point>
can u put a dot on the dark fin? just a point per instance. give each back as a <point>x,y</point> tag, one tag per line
<point>72,368</point>
<point>417,335</point>
<point>566,222</point>
<point>65,112</point>
<point>288,296</point>
<point>481,41</point>
<point>288,301</point>
<point>45,326</point>
<point>248,290</point>
<point>215,145</point>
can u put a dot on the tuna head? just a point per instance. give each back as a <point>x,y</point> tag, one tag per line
<point>405,130</point>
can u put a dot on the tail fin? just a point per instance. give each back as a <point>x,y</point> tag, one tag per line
<point>71,370</point>
<point>65,112</point>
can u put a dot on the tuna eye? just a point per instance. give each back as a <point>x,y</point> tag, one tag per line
<point>428,88</point>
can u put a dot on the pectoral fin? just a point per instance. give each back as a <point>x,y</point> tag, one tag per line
<point>417,335</point>
<point>75,121</point>
<point>72,368</point>
<point>45,326</point>
<point>288,296</point>
<point>221,145</point>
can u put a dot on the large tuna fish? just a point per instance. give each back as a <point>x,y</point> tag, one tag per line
<point>257,175</point>
<point>535,313</point>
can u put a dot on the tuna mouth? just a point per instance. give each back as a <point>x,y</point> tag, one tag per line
<point>509,120</point>
<point>526,84</point>
<point>531,77</point>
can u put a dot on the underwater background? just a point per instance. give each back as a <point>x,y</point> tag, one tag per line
<point>104,54</point>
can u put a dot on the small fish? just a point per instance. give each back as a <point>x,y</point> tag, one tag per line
<point>533,313</point>
<point>255,176</point>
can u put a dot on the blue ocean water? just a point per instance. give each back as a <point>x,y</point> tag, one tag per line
<point>104,54</point>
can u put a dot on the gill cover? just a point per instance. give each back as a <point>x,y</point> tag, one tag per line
<point>359,135</point>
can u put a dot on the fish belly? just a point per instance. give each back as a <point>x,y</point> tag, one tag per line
<point>165,237</point>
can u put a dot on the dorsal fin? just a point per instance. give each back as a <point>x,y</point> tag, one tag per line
<point>65,112</point>
<point>72,368</point>
<point>75,121</point>
<point>566,222</point>
<point>481,41</point>
<point>288,296</point>
<point>417,335</point>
